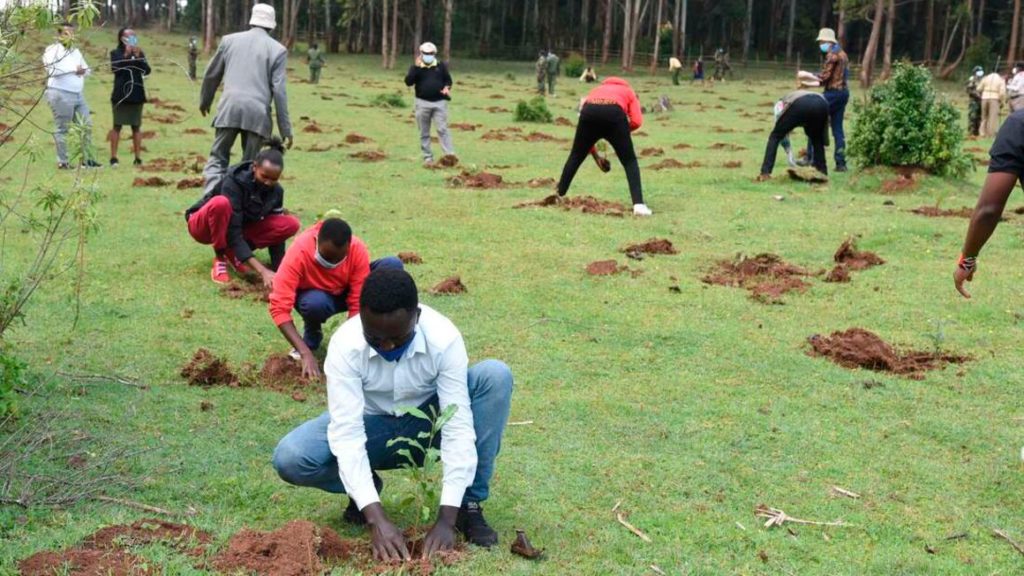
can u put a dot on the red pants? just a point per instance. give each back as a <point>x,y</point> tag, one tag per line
<point>209,225</point>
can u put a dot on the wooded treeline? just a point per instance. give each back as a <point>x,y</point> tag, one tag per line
<point>624,33</point>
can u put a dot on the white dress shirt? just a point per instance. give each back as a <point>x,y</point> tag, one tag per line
<point>62,68</point>
<point>360,382</point>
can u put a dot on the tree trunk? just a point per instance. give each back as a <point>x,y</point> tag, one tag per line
<point>867,62</point>
<point>657,37</point>
<point>522,31</point>
<point>585,24</point>
<point>929,33</point>
<point>394,35</point>
<point>371,40</point>
<point>981,19</point>
<point>293,23</point>
<point>841,23</point>
<point>890,20</point>
<point>330,30</point>
<point>384,36</point>
<point>789,31</point>
<point>946,72</point>
<point>1011,52</point>
<point>747,30</point>
<point>948,43</point>
<point>172,14</point>
<point>418,30</point>
<point>448,8</point>
<point>609,21</point>
<point>682,30</point>
<point>626,33</point>
<point>311,23</point>
<point>208,32</point>
<point>826,7</point>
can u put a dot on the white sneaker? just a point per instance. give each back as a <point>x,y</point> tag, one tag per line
<point>294,355</point>
<point>641,210</point>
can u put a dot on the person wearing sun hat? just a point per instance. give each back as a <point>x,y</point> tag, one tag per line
<point>433,85</point>
<point>251,65</point>
<point>833,78</point>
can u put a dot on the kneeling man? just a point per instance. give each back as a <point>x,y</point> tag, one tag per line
<point>322,274</point>
<point>399,353</point>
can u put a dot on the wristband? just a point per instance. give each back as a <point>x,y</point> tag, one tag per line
<point>968,263</point>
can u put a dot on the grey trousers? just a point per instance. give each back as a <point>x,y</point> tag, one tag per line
<point>438,113</point>
<point>220,153</point>
<point>66,106</point>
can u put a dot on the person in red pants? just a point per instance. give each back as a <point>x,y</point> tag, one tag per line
<point>244,213</point>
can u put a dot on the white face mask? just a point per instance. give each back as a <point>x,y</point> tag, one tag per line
<point>323,262</point>
<point>428,58</point>
<point>978,73</point>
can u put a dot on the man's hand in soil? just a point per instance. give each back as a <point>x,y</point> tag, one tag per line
<point>310,366</point>
<point>961,276</point>
<point>385,538</point>
<point>442,533</point>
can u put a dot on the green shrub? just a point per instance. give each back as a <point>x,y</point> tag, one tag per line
<point>390,100</point>
<point>903,124</point>
<point>12,376</point>
<point>574,65</point>
<point>535,110</point>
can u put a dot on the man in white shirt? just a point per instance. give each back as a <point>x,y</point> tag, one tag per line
<point>66,70</point>
<point>397,353</point>
<point>1015,87</point>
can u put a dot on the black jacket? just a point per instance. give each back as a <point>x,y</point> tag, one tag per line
<point>128,77</point>
<point>429,81</point>
<point>250,202</point>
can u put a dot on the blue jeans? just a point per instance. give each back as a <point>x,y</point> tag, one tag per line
<point>316,306</point>
<point>837,100</point>
<point>303,457</point>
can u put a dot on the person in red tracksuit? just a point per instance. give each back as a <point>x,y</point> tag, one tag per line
<point>610,112</point>
<point>321,275</point>
<point>245,212</point>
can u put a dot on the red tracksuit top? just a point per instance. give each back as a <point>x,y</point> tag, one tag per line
<point>618,90</point>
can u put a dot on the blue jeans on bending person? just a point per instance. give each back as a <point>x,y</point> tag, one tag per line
<point>316,306</point>
<point>304,458</point>
<point>837,100</point>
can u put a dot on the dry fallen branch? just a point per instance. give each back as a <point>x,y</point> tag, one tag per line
<point>777,517</point>
<point>140,506</point>
<point>1006,537</point>
<point>103,378</point>
<point>654,568</point>
<point>844,492</point>
<point>521,423</point>
<point>620,516</point>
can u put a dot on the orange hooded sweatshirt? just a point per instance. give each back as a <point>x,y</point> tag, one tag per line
<point>618,90</point>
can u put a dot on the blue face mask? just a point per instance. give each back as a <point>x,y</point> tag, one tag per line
<point>428,58</point>
<point>825,47</point>
<point>132,40</point>
<point>395,353</point>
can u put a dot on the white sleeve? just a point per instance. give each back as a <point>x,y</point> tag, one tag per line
<point>84,64</point>
<point>346,433</point>
<point>458,439</point>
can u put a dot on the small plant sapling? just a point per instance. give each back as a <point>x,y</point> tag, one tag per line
<point>422,449</point>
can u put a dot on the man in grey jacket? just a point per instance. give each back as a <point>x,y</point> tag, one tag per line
<point>252,67</point>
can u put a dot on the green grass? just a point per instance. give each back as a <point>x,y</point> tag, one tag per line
<point>689,408</point>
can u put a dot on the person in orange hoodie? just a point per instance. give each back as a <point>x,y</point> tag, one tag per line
<point>321,275</point>
<point>610,112</point>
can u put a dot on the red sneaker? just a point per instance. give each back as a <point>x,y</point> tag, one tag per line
<point>219,272</point>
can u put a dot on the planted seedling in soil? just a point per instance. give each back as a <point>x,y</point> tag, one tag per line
<point>423,448</point>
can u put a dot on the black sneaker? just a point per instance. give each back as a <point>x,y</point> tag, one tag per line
<point>114,162</point>
<point>63,166</point>
<point>474,528</point>
<point>352,515</point>
<point>91,164</point>
<point>138,161</point>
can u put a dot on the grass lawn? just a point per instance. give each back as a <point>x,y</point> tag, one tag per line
<point>689,407</point>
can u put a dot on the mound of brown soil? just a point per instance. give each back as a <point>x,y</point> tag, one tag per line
<point>901,183</point>
<point>585,204</point>
<point>935,212</point>
<point>186,183</point>
<point>313,128</point>
<point>483,180</point>
<point>78,562</point>
<point>299,548</point>
<point>653,246</point>
<point>807,174</point>
<point>732,164</point>
<point>410,258</point>
<point>195,131</point>
<point>683,146</point>
<point>540,182</point>
<point>667,164</point>
<point>839,274</point>
<point>282,373</point>
<point>368,155</point>
<point>184,164</point>
<point>848,255</point>
<point>465,127</point>
<point>562,121</point>
<point>205,369</point>
<point>652,151</point>
<point>721,130</point>
<point>450,285</point>
<point>148,134</point>
<point>859,348</point>
<point>245,289</point>
<point>498,135</point>
<point>318,147</point>
<point>541,137</point>
<point>497,110</point>
<point>149,531</point>
<point>355,138</point>
<point>169,119</point>
<point>605,268</point>
<point>448,161</point>
<point>726,146</point>
<point>152,181</point>
<point>766,276</point>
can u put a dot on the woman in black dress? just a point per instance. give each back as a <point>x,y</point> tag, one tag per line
<point>130,69</point>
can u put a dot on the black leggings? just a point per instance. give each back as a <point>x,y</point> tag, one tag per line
<point>608,122</point>
<point>810,112</point>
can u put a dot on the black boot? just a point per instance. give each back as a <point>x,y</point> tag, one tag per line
<point>474,528</point>
<point>352,515</point>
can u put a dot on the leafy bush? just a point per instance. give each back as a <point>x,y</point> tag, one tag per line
<point>391,100</point>
<point>979,54</point>
<point>535,110</point>
<point>12,376</point>
<point>903,124</point>
<point>574,65</point>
